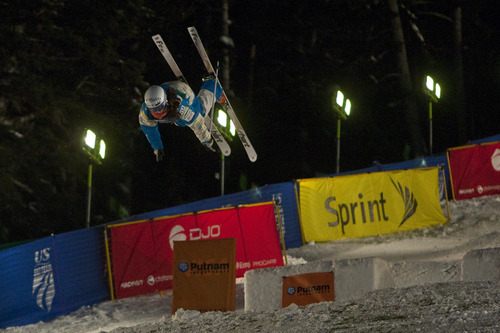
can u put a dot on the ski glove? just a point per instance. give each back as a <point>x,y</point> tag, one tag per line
<point>159,154</point>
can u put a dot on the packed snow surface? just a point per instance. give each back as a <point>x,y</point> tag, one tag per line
<point>429,295</point>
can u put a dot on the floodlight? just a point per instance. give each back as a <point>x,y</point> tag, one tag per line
<point>232,128</point>
<point>340,98</point>
<point>90,139</point>
<point>429,83</point>
<point>222,118</point>
<point>347,108</point>
<point>102,149</point>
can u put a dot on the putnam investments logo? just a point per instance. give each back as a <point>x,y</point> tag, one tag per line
<point>308,290</point>
<point>203,268</point>
<point>43,280</point>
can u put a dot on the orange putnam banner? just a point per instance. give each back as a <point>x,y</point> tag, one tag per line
<point>475,170</point>
<point>369,204</point>
<point>304,289</point>
<point>204,275</point>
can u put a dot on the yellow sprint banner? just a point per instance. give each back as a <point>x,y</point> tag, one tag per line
<point>369,204</point>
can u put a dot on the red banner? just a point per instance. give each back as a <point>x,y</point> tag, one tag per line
<point>142,252</point>
<point>475,170</point>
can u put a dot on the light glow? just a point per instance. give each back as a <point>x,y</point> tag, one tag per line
<point>90,139</point>
<point>429,83</point>
<point>340,98</point>
<point>347,107</point>
<point>102,149</point>
<point>222,118</point>
<point>232,128</point>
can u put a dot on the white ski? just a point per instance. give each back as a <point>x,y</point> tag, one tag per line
<point>252,155</point>
<point>216,135</point>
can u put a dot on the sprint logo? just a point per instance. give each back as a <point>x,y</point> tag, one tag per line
<point>408,199</point>
<point>375,209</point>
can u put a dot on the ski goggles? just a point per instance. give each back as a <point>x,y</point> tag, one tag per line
<point>160,108</point>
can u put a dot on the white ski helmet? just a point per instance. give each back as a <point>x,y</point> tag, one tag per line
<point>155,98</point>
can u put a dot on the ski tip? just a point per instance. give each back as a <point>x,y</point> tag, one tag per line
<point>253,158</point>
<point>226,151</point>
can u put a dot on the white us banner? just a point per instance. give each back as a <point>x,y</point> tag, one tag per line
<point>43,280</point>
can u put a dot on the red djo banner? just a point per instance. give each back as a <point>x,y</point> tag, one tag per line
<point>142,252</point>
<point>475,170</point>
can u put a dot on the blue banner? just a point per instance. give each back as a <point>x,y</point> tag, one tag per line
<point>52,276</point>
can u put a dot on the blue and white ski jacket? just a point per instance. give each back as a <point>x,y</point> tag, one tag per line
<point>192,110</point>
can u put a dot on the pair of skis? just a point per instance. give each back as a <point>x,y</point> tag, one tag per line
<point>218,137</point>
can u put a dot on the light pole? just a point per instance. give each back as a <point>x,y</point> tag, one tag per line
<point>96,154</point>
<point>227,129</point>
<point>433,91</point>
<point>343,108</point>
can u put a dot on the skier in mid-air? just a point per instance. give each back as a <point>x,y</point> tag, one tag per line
<point>175,102</point>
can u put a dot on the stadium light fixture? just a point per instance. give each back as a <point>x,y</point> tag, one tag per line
<point>342,106</point>
<point>222,118</point>
<point>90,139</point>
<point>227,128</point>
<point>232,128</point>
<point>96,155</point>
<point>226,125</point>
<point>433,91</point>
<point>102,149</point>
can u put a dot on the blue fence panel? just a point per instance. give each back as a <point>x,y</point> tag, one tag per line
<point>52,276</point>
<point>19,266</point>
<point>82,271</point>
<point>493,138</point>
<point>283,193</point>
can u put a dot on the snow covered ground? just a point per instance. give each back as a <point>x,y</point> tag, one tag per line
<point>429,295</point>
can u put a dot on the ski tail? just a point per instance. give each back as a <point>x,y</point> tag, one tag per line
<point>201,50</point>
<point>168,57</point>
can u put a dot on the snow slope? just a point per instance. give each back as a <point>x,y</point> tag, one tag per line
<point>428,296</point>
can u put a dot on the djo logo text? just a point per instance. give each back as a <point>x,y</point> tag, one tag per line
<point>179,234</point>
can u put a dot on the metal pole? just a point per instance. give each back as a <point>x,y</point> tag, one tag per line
<point>338,144</point>
<point>430,127</point>
<point>89,185</point>
<point>222,174</point>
